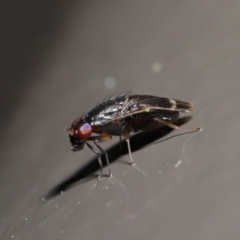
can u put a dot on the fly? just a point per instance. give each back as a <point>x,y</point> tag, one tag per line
<point>122,115</point>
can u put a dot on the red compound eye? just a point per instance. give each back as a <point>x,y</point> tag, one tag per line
<point>84,131</point>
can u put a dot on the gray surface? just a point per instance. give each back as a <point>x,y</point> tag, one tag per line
<point>54,64</point>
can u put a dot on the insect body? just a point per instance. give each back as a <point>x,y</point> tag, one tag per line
<point>121,115</point>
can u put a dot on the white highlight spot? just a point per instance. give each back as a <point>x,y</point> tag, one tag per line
<point>108,204</point>
<point>156,67</point>
<point>173,102</point>
<point>110,82</point>
<point>178,163</point>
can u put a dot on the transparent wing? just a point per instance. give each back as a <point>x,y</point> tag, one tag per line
<point>145,103</point>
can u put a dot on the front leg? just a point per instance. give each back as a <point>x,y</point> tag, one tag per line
<point>99,159</point>
<point>101,138</point>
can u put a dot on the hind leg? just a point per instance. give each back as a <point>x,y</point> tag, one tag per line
<point>171,125</point>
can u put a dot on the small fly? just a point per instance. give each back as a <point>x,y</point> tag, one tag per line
<point>122,115</point>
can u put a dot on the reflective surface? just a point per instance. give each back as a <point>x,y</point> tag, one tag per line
<point>53,58</point>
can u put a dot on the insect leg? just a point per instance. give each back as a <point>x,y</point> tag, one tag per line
<point>126,134</point>
<point>175,126</point>
<point>130,152</point>
<point>106,156</point>
<point>99,159</point>
<point>101,138</point>
<point>120,142</point>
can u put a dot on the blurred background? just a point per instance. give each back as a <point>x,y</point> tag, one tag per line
<point>59,59</point>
